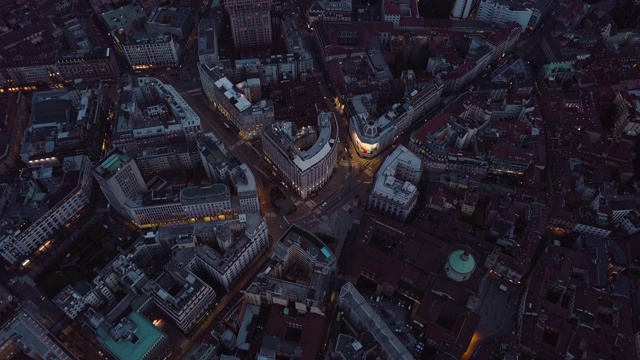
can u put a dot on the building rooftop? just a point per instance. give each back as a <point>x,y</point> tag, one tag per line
<point>282,134</point>
<point>243,179</point>
<point>133,338</point>
<point>197,194</point>
<point>123,17</point>
<point>361,309</point>
<point>110,165</point>
<point>33,338</point>
<point>174,17</point>
<point>207,41</point>
<point>461,262</point>
<point>388,185</point>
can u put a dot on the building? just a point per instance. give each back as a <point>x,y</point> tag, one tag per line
<point>213,157</point>
<point>177,21</point>
<point>124,19</point>
<point>97,63</point>
<point>315,267</point>
<point>133,337</point>
<point>241,104</point>
<point>15,112</point>
<point>393,10</point>
<point>273,69</point>
<point>24,330</point>
<point>181,295</point>
<point>461,9</point>
<point>250,22</point>
<point>245,186</point>
<point>459,266</point>
<point>240,241</point>
<point>395,191</point>
<point>63,122</point>
<point>42,201</point>
<point>207,42</point>
<point>120,180</point>
<point>504,12</point>
<point>169,205</point>
<point>372,135</point>
<point>364,318</point>
<point>144,51</point>
<point>307,156</point>
<point>74,299</point>
<point>151,114</point>
<point>329,10</point>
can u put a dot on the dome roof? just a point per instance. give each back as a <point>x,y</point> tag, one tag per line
<point>461,262</point>
<point>370,129</point>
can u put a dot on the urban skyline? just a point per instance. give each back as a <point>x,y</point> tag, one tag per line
<point>319,179</point>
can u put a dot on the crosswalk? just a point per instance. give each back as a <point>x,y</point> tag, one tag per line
<point>235,145</point>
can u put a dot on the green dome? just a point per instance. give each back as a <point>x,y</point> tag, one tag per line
<point>462,262</point>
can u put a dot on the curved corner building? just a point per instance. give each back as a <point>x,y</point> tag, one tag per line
<point>306,169</point>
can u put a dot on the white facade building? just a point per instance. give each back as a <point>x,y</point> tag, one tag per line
<point>372,135</point>
<point>227,267</point>
<point>244,185</point>
<point>503,13</point>
<point>306,170</point>
<point>150,50</point>
<point>394,192</point>
<point>236,102</point>
<point>461,9</point>
<point>181,295</point>
<point>120,180</point>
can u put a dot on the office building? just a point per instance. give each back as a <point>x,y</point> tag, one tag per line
<point>24,330</point>
<point>244,185</point>
<point>213,157</point>
<point>393,10</point>
<point>306,156</point>
<point>329,10</point>
<point>236,255</point>
<point>250,22</point>
<point>181,295</point>
<point>120,180</point>
<point>132,337</point>
<point>177,21</point>
<point>62,123</point>
<point>504,12</point>
<point>144,51</point>
<point>364,318</point>
<point>372,135</point>
<point>151,114</point>
<point>305,290</point>
<point>207,42</point>
<point>461,9</point>
<point>124,19</point>
<point>240,104</point>
<point>42,201</point>
<point>97,63</point>
<point>395,191</point>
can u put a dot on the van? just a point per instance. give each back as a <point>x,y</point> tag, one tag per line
<point>503,288</point>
